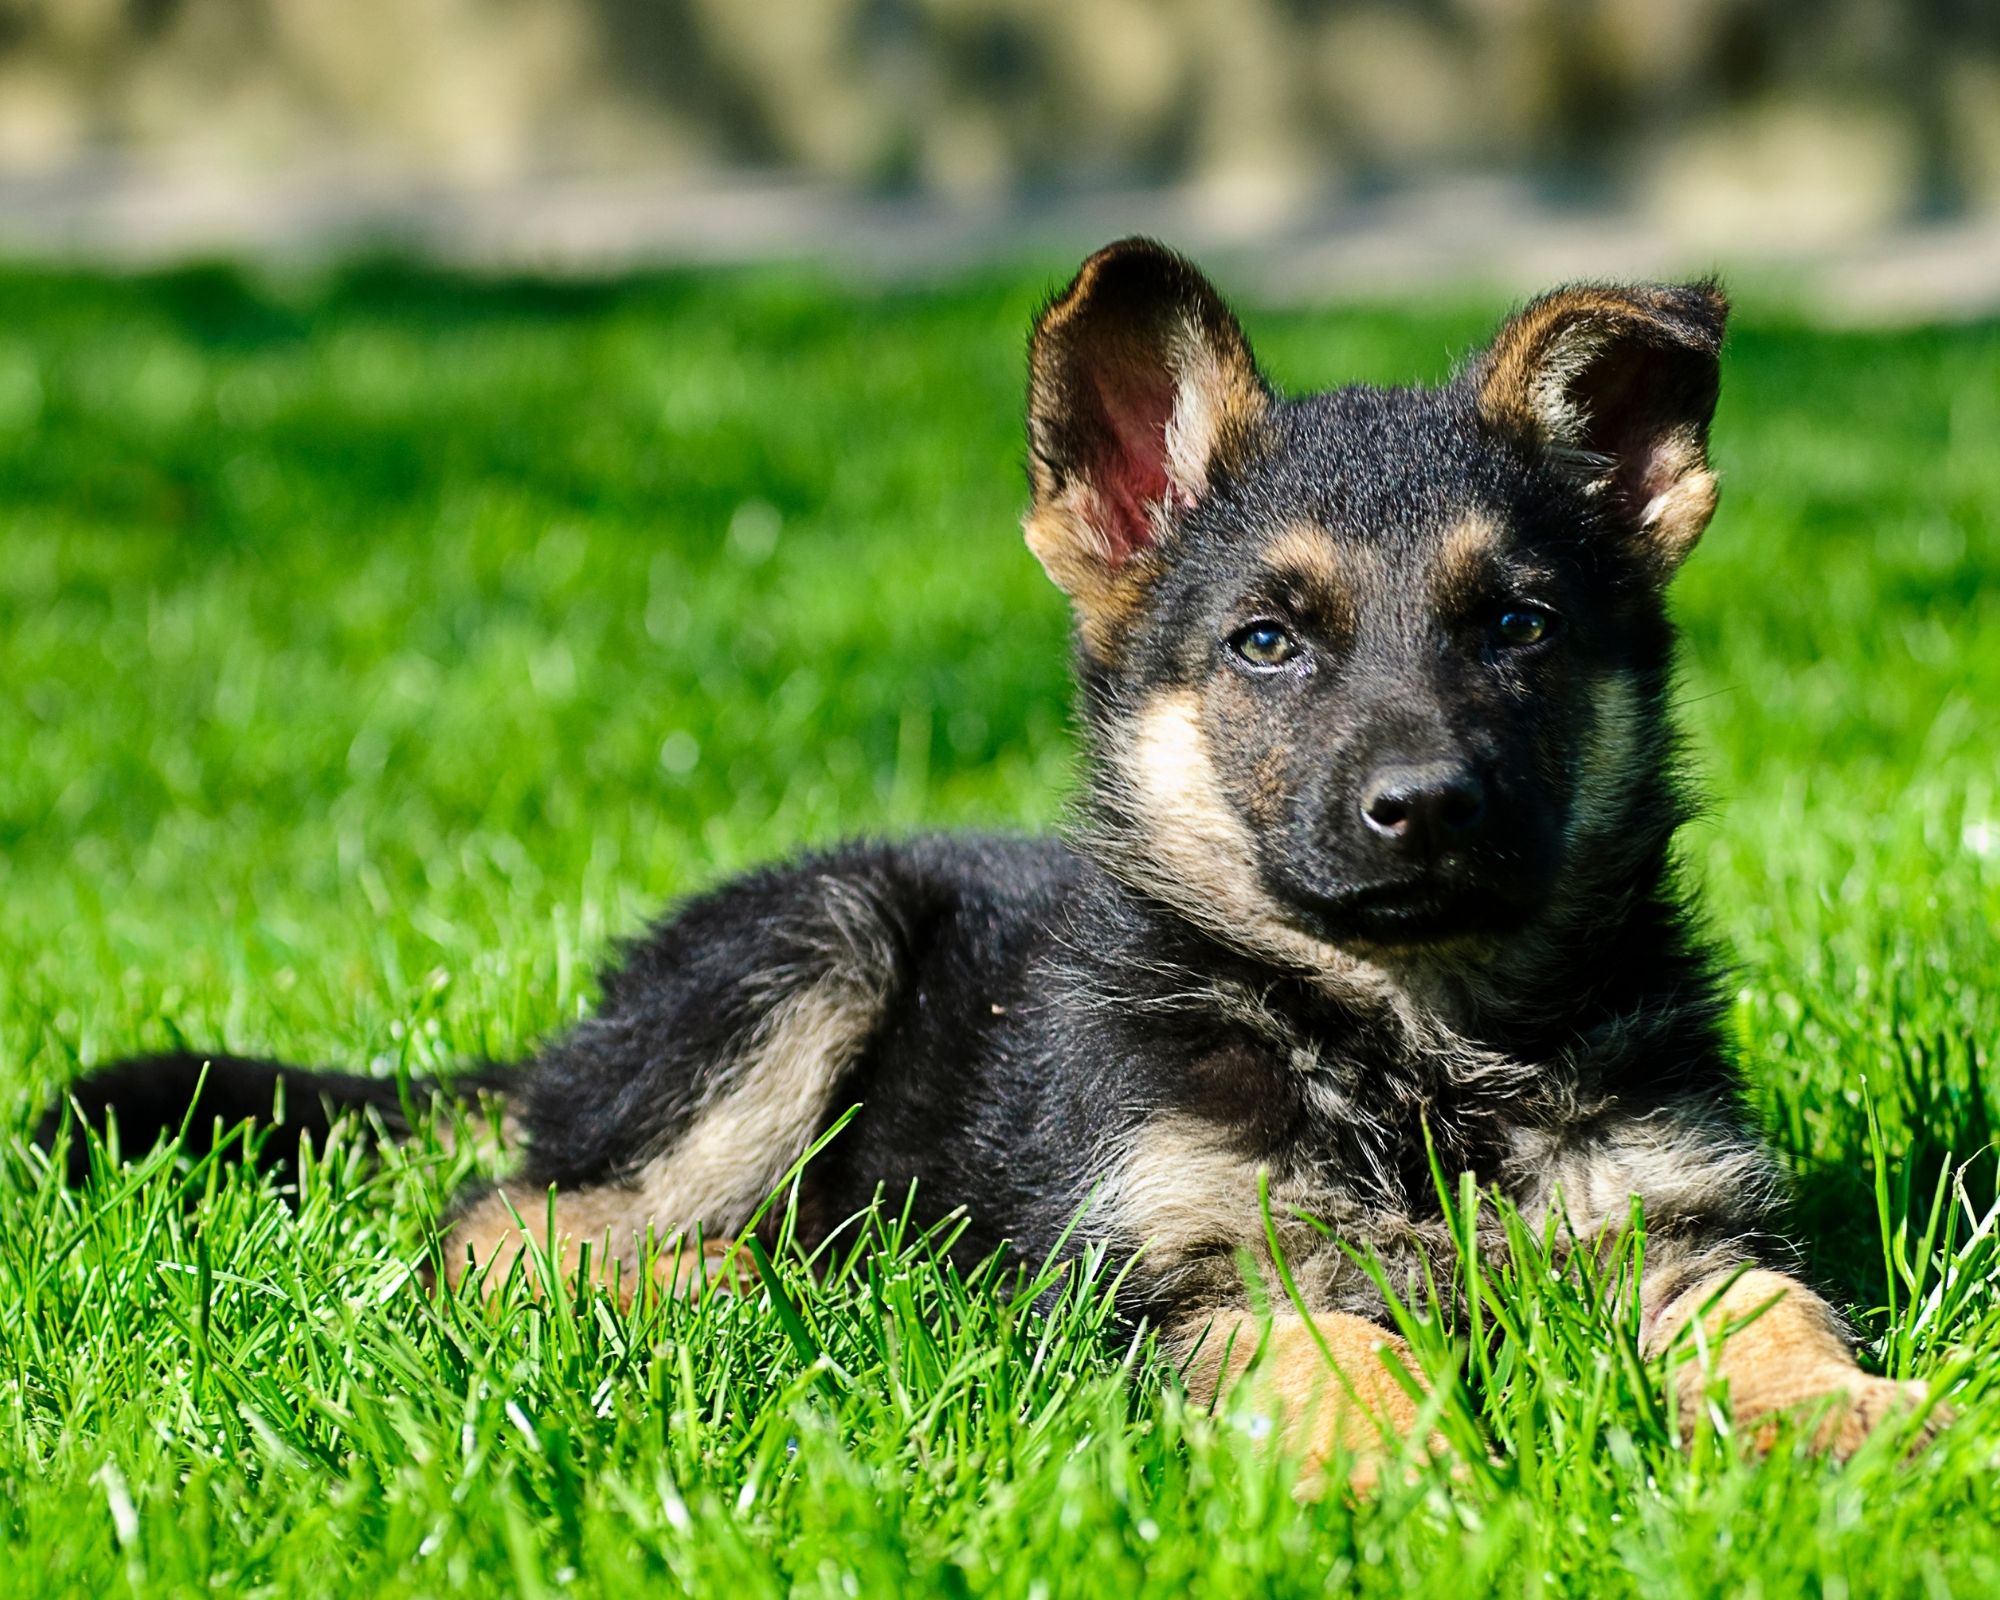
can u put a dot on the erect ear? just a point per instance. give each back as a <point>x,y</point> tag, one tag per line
<point>1617,385</point>
<point>1141,392</point>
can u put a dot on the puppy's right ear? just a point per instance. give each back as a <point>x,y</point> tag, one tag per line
<point>1141,390</point>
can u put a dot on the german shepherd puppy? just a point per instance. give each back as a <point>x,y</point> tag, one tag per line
<point>1374,861</point>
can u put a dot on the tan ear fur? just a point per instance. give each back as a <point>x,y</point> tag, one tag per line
<point>1141,390</point>
<point>1617,386</point>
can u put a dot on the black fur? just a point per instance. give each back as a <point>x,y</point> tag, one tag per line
<point>1532,991</point>
<point>156,1097</point>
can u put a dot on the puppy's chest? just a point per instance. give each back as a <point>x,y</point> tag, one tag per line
<point>1313,1142</point>
<point>1344,1124</point>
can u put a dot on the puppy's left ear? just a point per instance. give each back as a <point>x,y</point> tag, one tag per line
<point>1141,394</point>
<point>1616,387</point>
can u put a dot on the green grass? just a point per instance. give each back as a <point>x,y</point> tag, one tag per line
<point>374,649</point>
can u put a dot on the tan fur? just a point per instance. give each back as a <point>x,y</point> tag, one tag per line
<point>718,1172</point>
<point>1356,1403</point>
<point>1055,321</point>
<point>1310,558</point>
<point>1218,402</point>
<point>1271,785</point>
<point>1062,534</point>
<point>1523,377</point>
<point>1527,385</point>
<point>1196,853</point>
<point>1188,847</point>
<point>1465,558</point>
<point>1779,1350</point>
<point>1183,1194</point>
<point>1675,518</point>
<point>776,1098</point>
<point>592,1227</point>
<point>1183,1191</point>
<point>1218,397</point>
<point>1683,1161</point>
<point>1776,1346</point>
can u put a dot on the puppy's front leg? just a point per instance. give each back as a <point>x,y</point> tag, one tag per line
<point>1781,1350</point>
<point>1356,1404</point>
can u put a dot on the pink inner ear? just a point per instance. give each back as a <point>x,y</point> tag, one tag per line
<point>1131,478</point>
<point>1651,471</point>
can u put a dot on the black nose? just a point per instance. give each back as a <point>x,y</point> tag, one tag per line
<point>1424,808</point>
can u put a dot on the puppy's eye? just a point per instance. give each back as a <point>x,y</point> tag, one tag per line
<point>1520,626</point>
<point>1263,644</point>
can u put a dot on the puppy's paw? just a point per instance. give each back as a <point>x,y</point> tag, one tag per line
<point>1865,1403</point>
<point>1849,1405</point>
<point>1368,1468</point>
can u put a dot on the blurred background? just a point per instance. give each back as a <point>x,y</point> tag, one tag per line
<point>1855,143</point>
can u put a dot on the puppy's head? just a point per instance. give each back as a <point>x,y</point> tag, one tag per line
<point>1372,668</point>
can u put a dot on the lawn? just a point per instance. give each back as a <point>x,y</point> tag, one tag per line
<point>375,648</point>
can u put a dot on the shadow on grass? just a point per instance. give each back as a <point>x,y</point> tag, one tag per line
<point>1935,1121</point>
